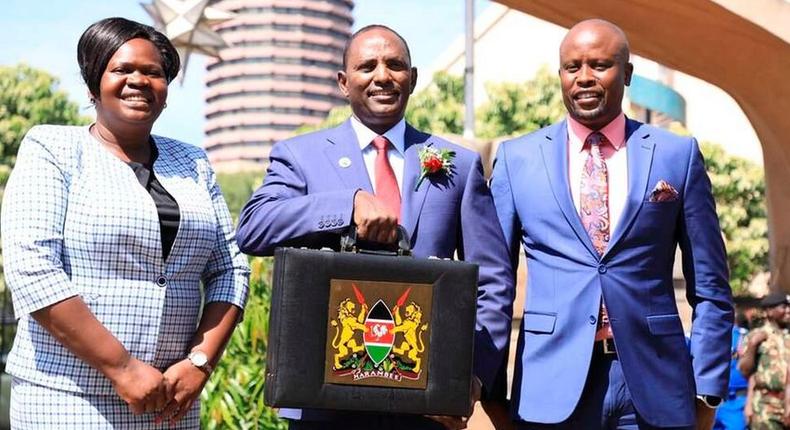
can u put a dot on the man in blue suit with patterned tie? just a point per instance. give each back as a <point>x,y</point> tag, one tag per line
<point>375,171</point>
<point>600,203</point>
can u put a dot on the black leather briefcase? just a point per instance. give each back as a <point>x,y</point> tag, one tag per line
<point>371,332</point>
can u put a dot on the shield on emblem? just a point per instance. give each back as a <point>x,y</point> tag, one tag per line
<point>378,339</point>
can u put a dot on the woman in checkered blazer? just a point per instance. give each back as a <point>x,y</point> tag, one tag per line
<point>108,232</point>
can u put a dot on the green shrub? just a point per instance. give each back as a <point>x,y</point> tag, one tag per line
<point>233,397</point>
<point>237,188</point>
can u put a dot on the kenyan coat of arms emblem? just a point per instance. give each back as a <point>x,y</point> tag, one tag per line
<point>383,344</point>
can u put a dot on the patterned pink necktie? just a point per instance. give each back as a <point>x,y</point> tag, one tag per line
<point>386,183</point>
<point>594,202</point>
<point>594,196</point>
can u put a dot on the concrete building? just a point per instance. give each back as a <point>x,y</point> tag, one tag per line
<point>277,74</point>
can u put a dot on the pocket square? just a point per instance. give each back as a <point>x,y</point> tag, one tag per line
<point>663,192</point>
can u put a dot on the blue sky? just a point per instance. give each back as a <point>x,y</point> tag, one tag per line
<point>44,34</point>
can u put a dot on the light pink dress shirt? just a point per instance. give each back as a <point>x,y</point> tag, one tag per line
<point>616,164</point>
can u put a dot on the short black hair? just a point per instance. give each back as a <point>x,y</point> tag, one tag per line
<point>100,41</point>
<point>368,28</point>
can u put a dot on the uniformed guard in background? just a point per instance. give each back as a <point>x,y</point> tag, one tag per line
<point>730,416</point>
<point>764,356</point>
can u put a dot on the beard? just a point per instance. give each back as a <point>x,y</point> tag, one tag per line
<point>587,114</point>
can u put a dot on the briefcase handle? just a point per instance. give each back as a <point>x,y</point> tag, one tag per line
<point>349,243</point>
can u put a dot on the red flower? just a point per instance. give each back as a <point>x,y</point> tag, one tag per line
<point>432,164</point>
<point>433,161</point>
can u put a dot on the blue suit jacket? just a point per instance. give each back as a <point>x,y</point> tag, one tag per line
<point>307,199</point>
<point>566,277</point>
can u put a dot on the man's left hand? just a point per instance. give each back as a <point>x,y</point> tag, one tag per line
<point>186,382</point>
<point>705,416</point>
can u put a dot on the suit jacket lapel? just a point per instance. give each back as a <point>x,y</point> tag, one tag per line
<point>345,149</point>
<point>555,158</point>
<point>412,201</point>
<point>640,158</point>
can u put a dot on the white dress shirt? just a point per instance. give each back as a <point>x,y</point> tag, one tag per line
<point>616,164</point>
<point>395,153</point>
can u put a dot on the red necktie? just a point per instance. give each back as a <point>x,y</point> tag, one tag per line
<point>386,183</point>
<point>594,211</point>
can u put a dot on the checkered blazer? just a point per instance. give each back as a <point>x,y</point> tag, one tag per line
<point>75,221</point>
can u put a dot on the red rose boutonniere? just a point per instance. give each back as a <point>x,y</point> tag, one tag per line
<point>434,161</point>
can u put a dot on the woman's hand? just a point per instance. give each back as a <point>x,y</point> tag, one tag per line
<point>141,386</point>
<point>186,382</point>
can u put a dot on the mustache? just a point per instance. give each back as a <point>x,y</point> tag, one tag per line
<point>587,92</point>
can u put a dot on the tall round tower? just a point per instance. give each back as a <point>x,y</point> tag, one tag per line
<point>277,74</point>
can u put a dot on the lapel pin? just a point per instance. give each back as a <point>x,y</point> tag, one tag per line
<point>344,162</point>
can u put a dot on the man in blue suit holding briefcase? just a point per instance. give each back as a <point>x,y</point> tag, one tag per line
<point>600,203</point>
<point>375,171</point>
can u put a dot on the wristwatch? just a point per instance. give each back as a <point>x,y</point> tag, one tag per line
<point>199,359</point>
<point>712,402</point>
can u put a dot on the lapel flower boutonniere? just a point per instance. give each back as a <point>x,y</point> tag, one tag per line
<point>434,161</point>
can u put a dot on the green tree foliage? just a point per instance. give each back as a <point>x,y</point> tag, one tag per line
<point>237,188</point>
<point>739,191</point>
<point>511,108</point>
<point>439,108</point>
<point>520,108</point>
<point>29,97</point>
<point>233,396</point>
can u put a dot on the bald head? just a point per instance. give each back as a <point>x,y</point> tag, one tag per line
<point>598,29</point>
<point>594,71</point>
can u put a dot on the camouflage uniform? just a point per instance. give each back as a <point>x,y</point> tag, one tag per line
<point>773,355</point>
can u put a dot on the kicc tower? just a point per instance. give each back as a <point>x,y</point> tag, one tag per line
<point>277,73</point>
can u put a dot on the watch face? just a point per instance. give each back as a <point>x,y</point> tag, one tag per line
<point>198,358</point>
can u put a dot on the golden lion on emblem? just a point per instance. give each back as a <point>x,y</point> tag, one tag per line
<point>412,332</point>
<point>348,325</point>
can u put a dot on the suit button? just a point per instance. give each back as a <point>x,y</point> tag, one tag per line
<point>602,269</point>
<point>161,281</point>
<point>592,320</point>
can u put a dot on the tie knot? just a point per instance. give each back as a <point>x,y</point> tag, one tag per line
<point>596,138</point>
<point>380,143</point>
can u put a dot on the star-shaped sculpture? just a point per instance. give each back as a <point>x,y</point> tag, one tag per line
<point>188,24</point>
